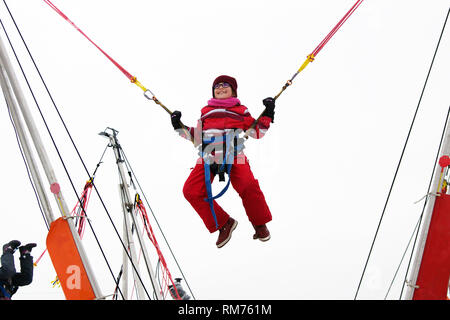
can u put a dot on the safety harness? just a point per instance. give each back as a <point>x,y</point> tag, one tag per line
<point>230,144</point>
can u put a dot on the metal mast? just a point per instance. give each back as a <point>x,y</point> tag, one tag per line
<point>25,144</point>
<point>431,198</point>
<point>130,225</point>
<point>17,104</point>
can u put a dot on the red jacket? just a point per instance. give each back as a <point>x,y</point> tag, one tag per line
<point>216,119</point>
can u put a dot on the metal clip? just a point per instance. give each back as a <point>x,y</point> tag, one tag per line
<point>146,94</point>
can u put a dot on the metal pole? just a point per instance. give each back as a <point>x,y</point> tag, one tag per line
<point>129,204</point>
<point>128,236</point>
<point>29,158</point>
<point>46,164</point>
<point>125,263</point>
<point>30,122</point>
<point>411,283</point>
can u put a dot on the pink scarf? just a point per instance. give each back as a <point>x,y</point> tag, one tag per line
<point>229,102</point>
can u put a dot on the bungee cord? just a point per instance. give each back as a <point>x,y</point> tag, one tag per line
<point>309,58</point>
<point>147,92</point>
<point>315,52</point>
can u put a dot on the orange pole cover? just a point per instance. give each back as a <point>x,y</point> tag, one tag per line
<point>67,262</point>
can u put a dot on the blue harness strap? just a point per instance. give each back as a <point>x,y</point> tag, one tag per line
<point>209,191</point>
<point>229,156</point>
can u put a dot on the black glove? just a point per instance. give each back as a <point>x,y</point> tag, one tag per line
<point>11,246</point>
<point>175,118</point>
<point>26,249</point>
<point>269,103</point>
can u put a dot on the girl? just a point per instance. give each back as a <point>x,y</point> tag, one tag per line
<point>221,151</point>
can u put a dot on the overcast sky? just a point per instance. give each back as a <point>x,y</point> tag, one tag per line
<point>325,166</point>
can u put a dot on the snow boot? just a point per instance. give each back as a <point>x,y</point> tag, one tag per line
<point>225,232</point>
<point>262,233</point>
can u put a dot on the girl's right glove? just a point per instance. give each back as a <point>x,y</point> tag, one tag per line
<point>175,117</point>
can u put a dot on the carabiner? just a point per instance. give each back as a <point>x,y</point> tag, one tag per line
<point>147,96</point>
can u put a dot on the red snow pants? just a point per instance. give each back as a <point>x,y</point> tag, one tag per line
<point>243,182</point>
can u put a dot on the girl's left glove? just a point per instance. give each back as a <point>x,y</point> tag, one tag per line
<point>269,103</point>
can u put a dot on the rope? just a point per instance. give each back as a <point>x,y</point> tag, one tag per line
<point>130,169</point>
<point>401,158</point>
<point>309,58</point>
<point>80,216</point>
<point>148,228</point>
<point>403,256</point>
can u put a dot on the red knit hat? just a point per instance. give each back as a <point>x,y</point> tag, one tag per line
<point>223,78</point>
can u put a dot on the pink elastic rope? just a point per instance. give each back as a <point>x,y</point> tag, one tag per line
<point>125,72</point>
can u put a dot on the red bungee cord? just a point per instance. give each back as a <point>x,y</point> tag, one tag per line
<point>336,28</point>
<point>125,72</point>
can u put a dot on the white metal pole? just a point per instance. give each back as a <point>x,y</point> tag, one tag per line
<point>125,262</point>
<point>411,283</point>
<point>40,149</point>
<point>30,122</point>
<point>131,247</point>
<point>29,158</point>
<point>128,199</point>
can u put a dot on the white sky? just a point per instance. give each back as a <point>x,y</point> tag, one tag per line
<point>325,166</point>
